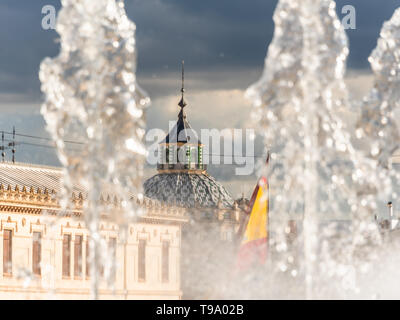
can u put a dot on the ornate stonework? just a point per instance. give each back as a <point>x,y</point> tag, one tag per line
<point>29,204</point>
<point>182,177</point>
<point>188,190</point>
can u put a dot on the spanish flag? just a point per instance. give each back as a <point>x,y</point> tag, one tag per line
<point>254,243</point>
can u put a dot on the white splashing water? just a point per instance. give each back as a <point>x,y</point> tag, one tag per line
<point>92,96</point>
<point>378,133</point>
<point>378,122</point>
<point>377,128</point>
<point>319,171</point>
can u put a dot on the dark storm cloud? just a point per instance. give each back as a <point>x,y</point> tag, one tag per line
<point>371,15</point>
<point>223,42</point>
<point>23,45</point>
<point>210,35</point>
<point>227,34</point>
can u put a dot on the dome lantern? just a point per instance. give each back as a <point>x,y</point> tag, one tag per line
<point>182,177</point>
<point>181,150</point>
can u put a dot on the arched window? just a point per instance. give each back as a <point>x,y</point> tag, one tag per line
<point>36,253</point>
<point>142,260</point>
<point>66,256</point>
<point>165,261</point>
<point>78,256</point>
<point>7,252</point>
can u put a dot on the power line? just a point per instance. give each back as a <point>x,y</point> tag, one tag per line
<point>35,144</point>
<point>13,143</point>
<point>218,155</point>
<point>41,138</point>
<point>81,143</point>
<point>204,154</point>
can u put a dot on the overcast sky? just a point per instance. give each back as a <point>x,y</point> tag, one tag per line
<point>223,43</point>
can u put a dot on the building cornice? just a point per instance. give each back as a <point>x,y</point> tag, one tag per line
<point>42,202</point>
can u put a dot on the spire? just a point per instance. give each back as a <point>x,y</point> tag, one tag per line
<point>180,132</point>
<point>183,103</point>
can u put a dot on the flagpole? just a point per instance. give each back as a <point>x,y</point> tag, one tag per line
<point>269,255</point>
<point>269,215</point>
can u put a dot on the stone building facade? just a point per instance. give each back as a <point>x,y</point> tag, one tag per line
<point>45,256</point>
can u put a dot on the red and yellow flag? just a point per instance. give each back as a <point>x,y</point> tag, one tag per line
<point>253,247</point>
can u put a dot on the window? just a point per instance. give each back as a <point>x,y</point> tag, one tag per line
<point>200,156</point>
<point>228,236</point>
<point>188,155</point>
<point>36,253</point>
<point>78,256</point>
<point>66,257</point>
<point>142,260</point>
<point>87,258</point>
<point>291,231</point>
<point>113,247</point>
<point>7,252</point>
<point>223,236</point>
<point>113,251</point>
<point>165,261</point>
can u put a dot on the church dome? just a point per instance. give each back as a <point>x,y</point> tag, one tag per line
<point>188,190</point>
<point>182,177</point>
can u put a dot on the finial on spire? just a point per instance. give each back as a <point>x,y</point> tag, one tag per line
<point>183,76</point>
<point>183,103</point>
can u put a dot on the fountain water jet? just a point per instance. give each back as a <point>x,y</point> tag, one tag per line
<point>377,128</point>
<point>92,96</point>
<point>318,173</point>
<point>300,102</point>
